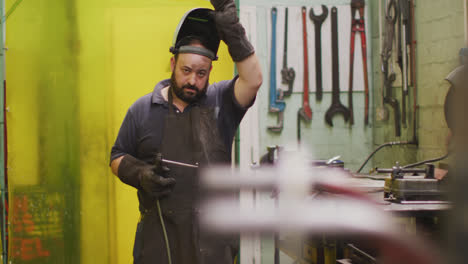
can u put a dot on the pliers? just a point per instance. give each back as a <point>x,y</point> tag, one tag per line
<point>357,25</point>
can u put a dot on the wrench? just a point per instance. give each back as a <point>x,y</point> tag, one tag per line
<point>305,111</point>
<point>336,107</point>
<point>287,74</point>
<point>357,25</point>
<point>318,20</point>
<point>277,104</point>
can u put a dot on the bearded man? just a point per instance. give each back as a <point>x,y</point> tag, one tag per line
<point>188,120</point>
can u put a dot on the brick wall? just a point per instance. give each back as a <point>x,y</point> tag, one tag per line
<point>439,35</point>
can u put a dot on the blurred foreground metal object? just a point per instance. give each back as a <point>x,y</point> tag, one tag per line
<point>346,212</point>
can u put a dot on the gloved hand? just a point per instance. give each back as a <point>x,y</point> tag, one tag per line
<point>150,178</point>
<point>230,30</point>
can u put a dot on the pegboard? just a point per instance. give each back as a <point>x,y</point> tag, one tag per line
<point>295,47</point>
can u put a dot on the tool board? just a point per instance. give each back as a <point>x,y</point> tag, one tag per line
<point>295,47</point>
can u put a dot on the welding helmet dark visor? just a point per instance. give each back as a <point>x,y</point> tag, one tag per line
<point>197,24</point>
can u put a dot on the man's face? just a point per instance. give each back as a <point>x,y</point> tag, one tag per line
<point>190,74</point>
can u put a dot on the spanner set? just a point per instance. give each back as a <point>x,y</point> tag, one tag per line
<point>277,96</point>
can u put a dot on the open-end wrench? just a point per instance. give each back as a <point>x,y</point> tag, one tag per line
<point>287,74</point>
<point>336,107</point>
<point>357,25</point>
<point>318,20</point>
<point>305,111</point>
<point>277,104</point>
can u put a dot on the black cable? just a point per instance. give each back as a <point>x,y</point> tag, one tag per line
<point>426,161</point>
<point>298,128</point>
<point>166,238</point>
<point>392,143</point>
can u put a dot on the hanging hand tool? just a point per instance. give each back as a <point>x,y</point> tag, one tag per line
<point>298,127</point>
<point>381,112</point>
<point>287,74</point>
<point>404,39</point>
<point>305,111</point>
<point>277,104</point>
<point>318,21</point>
<point>389,78</point>
<point>357,25</point>
<point>336,106</point>
<point>412,40</point>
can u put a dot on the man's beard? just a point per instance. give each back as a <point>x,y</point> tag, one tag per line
<point>187,97</point>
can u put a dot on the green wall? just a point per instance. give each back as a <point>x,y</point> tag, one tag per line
<point>351,143</point>
<point>439,36</point>
<point>42,119</point>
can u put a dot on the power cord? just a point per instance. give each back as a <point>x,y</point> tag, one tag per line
<point>166,239</point>
<point>393,143</point>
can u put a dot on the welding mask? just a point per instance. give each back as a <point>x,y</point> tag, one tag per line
<point>197,24</point>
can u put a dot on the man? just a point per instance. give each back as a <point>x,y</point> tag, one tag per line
<point>186,120</point>
<point>457,80</point>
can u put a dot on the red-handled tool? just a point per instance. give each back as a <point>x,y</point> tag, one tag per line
<point>357,25</point>
<point>305,111</point>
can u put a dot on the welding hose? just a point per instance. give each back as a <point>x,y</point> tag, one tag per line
<point>166,239</point>
<point>426,161</point>
<point>392,143</point>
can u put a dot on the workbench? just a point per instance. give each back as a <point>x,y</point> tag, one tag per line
<point>409,215</point>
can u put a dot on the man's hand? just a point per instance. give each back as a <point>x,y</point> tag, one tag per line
<point>230,30</point>
<point>440,173</point>
<point>150,178</point>
<point>220,5</point>
<point>154,184</point>
<point>242,52</point>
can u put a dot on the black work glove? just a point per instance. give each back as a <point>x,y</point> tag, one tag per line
<point>152,179</point>
<point>230,29</point>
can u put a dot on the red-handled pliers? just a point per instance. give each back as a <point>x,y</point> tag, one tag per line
<point>357,25</point>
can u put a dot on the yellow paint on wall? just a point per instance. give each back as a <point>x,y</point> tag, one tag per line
<point>124,52</point>
<point>140,45</point>
<point>22,97</point>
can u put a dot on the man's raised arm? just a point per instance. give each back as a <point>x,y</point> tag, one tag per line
<point>242,52</point>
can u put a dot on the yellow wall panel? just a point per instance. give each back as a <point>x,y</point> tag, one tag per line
<point>43,123</point>
<point>140,43</point>
<point>73,69</point>
<point>22,93</point>
<point>124,52</point>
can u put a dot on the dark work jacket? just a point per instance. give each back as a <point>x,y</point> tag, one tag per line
<point>201,135</point>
